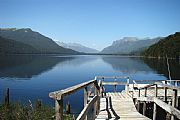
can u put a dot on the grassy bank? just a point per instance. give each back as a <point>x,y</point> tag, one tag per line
<point>38,111</point>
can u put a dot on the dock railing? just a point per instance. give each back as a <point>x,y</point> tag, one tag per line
<point>59,95</point>
<point>143,97</point>
<point>99,91</point>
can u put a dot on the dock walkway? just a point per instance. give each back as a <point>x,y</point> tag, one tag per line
<point>118,105</point>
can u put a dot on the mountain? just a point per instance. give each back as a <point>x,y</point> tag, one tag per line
<point>129,45</point>
<point>8,46</point>
<point>77,47</point>
<point>34,39</point>
<point>169,46</point>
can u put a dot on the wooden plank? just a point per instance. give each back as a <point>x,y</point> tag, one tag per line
<point>146,99</point>
<point>84,112</point>
<point>167,107</point>
<point>114,83</point>
<point>58,94</point>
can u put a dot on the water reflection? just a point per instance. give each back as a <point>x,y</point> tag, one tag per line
<point>26,66</point>
<point>128,65</point>
<point>160,65</point>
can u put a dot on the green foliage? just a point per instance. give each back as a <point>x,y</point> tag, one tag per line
<point>169,46</point>
<point>17,111</point>
<point>8,46</point>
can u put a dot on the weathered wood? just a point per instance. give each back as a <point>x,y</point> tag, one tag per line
<point>59,109</point>
<point>168,108</point>
<point>114,83</point>
<point>146,99</point>
<point>85,96</point>
<point>144,108</point>
<point>145,92</point>
<point>165,92</point>
<point>154,111</point>
<point>168,86</point>
<point>139,93</point>
<point>156,90</point>
<point>58,94</point>
<point>84,112</point>
<point>113,77</point>
<point>174,99</point>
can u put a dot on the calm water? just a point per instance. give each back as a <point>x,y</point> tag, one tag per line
<point>33,77</point>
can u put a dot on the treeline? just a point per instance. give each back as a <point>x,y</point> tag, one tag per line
<point>8,46</point>
<point>169,46</point>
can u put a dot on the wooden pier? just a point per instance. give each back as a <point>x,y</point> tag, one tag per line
<point>129,104</point>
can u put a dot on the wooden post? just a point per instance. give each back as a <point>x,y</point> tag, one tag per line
<point>6,100</point>
<point>144,108</point>
<point>139,93</point>
<point>96,103</point>
<point>145,92</point>
<point>165,92</point>
<point>156,90</point>
<point>59,109</point>
<point>138,105</point>
<point>85,98</point>
<point>127,86</point>
<point>155,106</point>
<point>154,111</point>
<point>68,108</point>
<point>174,99</point>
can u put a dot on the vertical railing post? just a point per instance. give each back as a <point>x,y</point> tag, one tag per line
<point>174,99</point>
<point>127,86</point>
<point>155,106</point>
<point>139,92</point>
<point>85,98</point>
<point>96,104</point>
<point>59,109</point>
<point>165,92</point>
<point>144,104</point>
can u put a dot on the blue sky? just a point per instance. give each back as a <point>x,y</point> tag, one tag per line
<point>94,23</point>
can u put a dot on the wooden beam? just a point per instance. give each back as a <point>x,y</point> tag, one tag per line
<point>154,111</point>
<point>168,108</point>
<point>58,94</point>
<point>114,83</point>
<point>146,99</point>
<point>84,112</point>
<point>59,109</point>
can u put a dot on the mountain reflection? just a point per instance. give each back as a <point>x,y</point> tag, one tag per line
<point>26,66</point>
<point>128,65</point>
<point>160,65</point>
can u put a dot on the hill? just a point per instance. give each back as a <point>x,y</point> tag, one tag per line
<point>40,42</point>
<point>129,45</point>
<point>169,46</point>
<point>8,46</point>
<point>77,47</point>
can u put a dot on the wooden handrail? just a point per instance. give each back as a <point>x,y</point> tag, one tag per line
<point>168,86</point>
<point>84,112</point>
<point>57,95</point>
<point>112,77</point>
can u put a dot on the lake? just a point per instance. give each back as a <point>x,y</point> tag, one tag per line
<point>33,77</point>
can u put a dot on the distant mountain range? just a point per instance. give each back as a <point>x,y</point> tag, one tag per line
<point>169,46</point>
<point>77,47</point>
<point>129,45</point>
<point>41,43</point>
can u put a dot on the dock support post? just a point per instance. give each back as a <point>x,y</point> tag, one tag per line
<point>85,98</point>
<point>97,103</point>
<point>154,111</point>
<point>144,104</point>
<point>59,109</point>
<point>174,99</point>
<point>155,106</point>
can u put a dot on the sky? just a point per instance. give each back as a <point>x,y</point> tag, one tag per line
<point>93,23</point>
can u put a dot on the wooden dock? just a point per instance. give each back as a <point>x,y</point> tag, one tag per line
<point>129,104</point>
<point>118,105</point>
